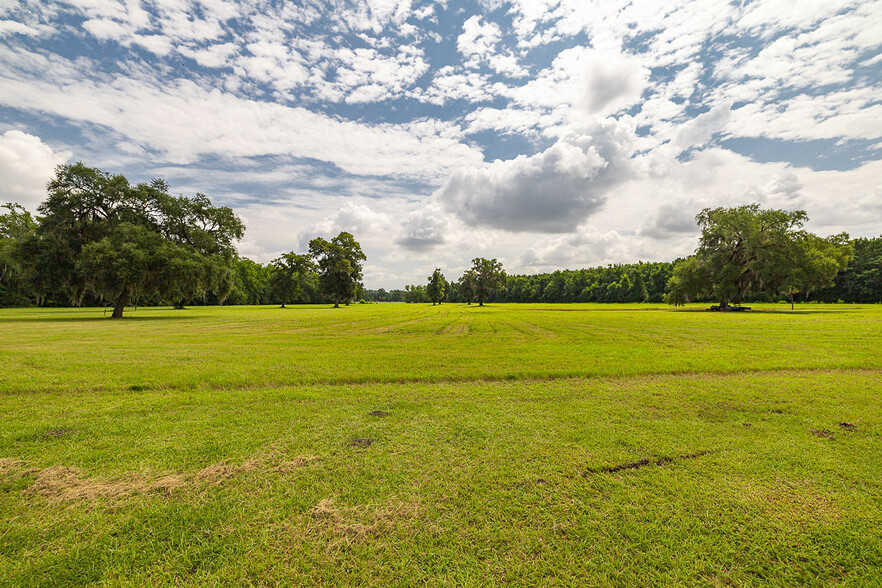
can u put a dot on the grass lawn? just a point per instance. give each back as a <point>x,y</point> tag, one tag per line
<point>396,444</point>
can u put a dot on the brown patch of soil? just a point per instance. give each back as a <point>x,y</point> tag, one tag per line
<point>378,413</point>
<point>361,442</point>
<point>56,433</point>
<point>636,465</point>
<point>824,433</point>
<point>848,426</point>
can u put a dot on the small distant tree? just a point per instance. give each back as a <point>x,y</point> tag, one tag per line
<point>489,276</point>
<point>288,275</point>
<point>339,264</point>
<point>436,290</point>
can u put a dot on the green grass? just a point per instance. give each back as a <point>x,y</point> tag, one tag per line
<point>226,446</point>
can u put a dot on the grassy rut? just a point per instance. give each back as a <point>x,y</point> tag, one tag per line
<point>452,445</point>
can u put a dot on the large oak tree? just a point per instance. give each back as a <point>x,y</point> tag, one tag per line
<point>99,233</point>
<point>745,251</point>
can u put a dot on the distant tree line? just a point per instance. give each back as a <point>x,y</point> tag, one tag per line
<point>636,282</point>
<point>99,240</point>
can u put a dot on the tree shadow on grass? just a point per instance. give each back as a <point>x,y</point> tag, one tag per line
<point>54,318</point>
<point>787,311</point>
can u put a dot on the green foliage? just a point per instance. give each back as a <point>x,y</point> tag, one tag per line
<point>747,251</point>
<point>16,226</point>
<point>861,281</point>
<point>436,290</point>
<point>99,233</point>
<point>488,276</point>
<point>339,264</point>
<point>415,293</point>
<point>468,285</point>
<point>289,277</point>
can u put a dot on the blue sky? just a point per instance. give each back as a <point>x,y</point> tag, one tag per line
<point>545,133</point>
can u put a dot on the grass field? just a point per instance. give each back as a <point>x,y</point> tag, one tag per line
<point>410,444</point>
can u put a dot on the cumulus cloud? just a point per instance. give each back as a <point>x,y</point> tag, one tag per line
<point>26,166</point>
<point>671,219</point>
<point>550,192</point>
<point>585,247</point>
<point>588,81</point>
<point>424,229</point>
<point>354,218</point>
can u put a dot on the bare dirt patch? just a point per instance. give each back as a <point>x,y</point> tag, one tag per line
<point>378,413</point>
<point>218,473</point>
<point>823,433</point>
<point>64,483</point>
<point>361,442</point>
<point>848,426</point>
<point>645,462</point>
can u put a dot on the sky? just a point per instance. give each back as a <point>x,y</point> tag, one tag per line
<point>548,134</point>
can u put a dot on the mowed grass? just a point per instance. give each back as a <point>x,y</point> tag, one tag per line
<point>419,445</point>
<point>75,349</point>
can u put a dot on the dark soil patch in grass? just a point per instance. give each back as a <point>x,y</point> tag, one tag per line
<point>636,465</point>
<point>776,411</point>
<point>56,433</point>
<point>361,442</point>
<point>378,413</point>
<point>848,426</point>
<point>821,433</point>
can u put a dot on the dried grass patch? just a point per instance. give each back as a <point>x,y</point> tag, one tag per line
<point>296,463</point>
<point>357,523</point>
<point>63,483</point>
<point>794,501</point>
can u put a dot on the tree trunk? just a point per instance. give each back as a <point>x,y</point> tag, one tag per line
<point>336,304</point>
<point>791,299</point>
<point>480,303</point>
<point>120,306</point>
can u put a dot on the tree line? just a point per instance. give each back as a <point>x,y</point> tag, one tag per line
<point>99,240</point>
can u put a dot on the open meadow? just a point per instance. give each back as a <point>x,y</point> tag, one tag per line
<point>393,444</point>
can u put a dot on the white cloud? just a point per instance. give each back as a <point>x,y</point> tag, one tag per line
<point>591,82</point>
<point>197,121</point>
<point>424,229</point>
<point>26,166</point>
<point>552,191</point>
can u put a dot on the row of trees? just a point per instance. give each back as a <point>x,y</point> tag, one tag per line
<point>334,268</point>
<point>477,284</point>
<point>99,239</point>
<point>745,254</point>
